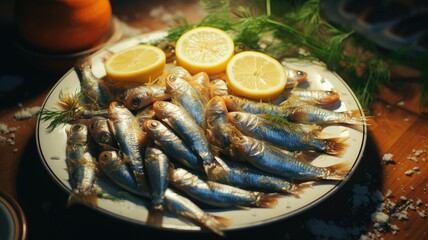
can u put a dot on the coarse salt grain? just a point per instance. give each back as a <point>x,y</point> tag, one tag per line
<point>380,217</point>
<point>409,172</point>
<point>387,158</point>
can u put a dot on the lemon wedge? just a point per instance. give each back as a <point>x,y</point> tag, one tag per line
<point>256,75</point>
<point>141,63</point>
<point>204,49</point>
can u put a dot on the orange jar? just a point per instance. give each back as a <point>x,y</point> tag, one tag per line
<point>62,26</point>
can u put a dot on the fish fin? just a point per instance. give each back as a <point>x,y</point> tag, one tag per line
<point>88,198</point>
<point>335,146</point>
<point>338,171</point>
<point>355,118</point>
<point>297,189</point>
<point>214,223</point>
<point>266,200</point>
<point>155,215</point>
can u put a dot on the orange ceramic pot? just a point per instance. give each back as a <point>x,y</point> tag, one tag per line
<point>62,26</point>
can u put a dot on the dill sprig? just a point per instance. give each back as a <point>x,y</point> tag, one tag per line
<point>296,29</point>
<point>68,110</point>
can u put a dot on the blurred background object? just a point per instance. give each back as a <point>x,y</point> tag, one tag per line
<point>13,224</point>
<point>392,24</point>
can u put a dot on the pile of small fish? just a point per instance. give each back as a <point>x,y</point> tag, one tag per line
<point>190,139</point>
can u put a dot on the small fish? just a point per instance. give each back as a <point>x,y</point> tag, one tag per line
<point>272,160</point>
<point>241,175</point>
<point>216,119</point>
<point>235,103</point>
<point>309,114</point>
<point>95,92</point>
<point>201,82</point>
<point>81,166</point>
<point>157,164</point>
<point>132,140</point>
<point>295,77</point>
<point>218,194</point>
<point>100,132</point>
<point>284,134</point>
<point>114,166</point>
<point>218,87</point>
<point>172,144</point>
<point>321,98</point>
<point>185,127</point>
<point>182,206</point>
<point>186,96</point>
<point>136,98</point>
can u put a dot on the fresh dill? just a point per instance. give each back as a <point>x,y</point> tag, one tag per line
<point>69,109</point>
<point>296,29</point>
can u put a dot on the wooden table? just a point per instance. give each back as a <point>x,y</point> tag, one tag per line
<point>397,126</point>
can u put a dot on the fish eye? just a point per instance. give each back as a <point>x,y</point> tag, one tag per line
<point>118,104</point>
<point>172,78</point>
<point>77,127</point>
<point>230,97</point>
<point>299,73</point>
<point>104,156</point>
<point>161,104</point>
<point>135,102</point>
<point>121,94</point>
<point>105,137</point>
<point>330,92</point>
<point>237,116</point>
<point>153,124</point>
<point>94,124</point>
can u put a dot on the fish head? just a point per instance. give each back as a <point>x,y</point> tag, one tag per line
<point>121,94</point>
<point>216,106</point>
<point>117,110</point>
<point>175,83</point>
<point>138,99</point>
<point>330,97</point>
<point>154,128</point>
<point>162,107</point>
<point>236,118</point>
<point>107,158</point>
<point>77,133</point>
<point>232,102</point>
<point>99,130</point>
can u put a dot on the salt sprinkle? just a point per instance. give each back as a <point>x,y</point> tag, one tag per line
<point>387,158</point>
<point>27,113</point>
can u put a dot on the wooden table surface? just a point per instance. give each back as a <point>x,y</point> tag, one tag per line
<point>396,126</point>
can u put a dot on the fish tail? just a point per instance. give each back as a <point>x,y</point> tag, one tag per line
<point>155,215</point>
<point>335,146</point>
<point>88,198</point>
<point>298,189</point>
<point>214,223</point>
<point>266,200</point>
<point>355,118</point>
<point>338,171</point>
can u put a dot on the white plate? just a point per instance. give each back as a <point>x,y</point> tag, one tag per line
<point>51,147</point>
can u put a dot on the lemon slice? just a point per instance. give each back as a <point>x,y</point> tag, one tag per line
<point>256,75</point>
<point>204,49</point>
<point>141,63</point>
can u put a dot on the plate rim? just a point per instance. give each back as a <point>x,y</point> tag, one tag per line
<point>338,186</point>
